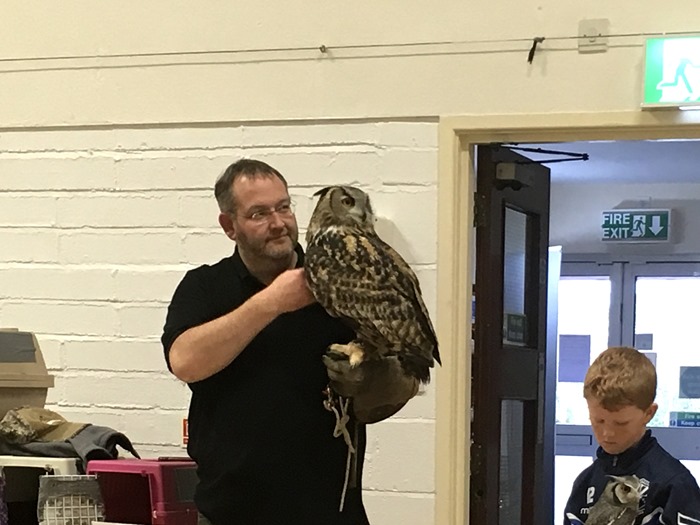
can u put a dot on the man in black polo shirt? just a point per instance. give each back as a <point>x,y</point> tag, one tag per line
<point>248,337</point>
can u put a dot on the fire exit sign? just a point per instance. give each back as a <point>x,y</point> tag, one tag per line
<point>636,225</point>
<point>672,72</point>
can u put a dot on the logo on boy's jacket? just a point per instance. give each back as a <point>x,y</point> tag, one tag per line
<point>590,496</point>
<point>687,520</point>
<point>643,489</point>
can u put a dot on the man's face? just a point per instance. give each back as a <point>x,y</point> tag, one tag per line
<point>257,229</point>
<point>618,430</point>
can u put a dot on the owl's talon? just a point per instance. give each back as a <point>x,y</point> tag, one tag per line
<point>354,352</point>
<point>357,357</point>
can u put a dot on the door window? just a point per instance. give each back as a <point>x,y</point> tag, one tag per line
<point>651,306</point>
<point>665,327</point>
<point>584,324</point>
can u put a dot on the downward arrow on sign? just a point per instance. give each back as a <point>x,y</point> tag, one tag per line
<point>655,227</point>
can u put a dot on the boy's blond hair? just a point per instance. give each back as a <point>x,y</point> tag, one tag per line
<point>621,376</point>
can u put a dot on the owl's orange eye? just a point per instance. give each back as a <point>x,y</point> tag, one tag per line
<point>347,201</point>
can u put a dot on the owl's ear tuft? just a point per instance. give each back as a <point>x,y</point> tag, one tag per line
<point>322,191</point>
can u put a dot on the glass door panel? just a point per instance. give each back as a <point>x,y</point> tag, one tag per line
<point>584,322</point>
<point>514,277</point>
<point>666,319</point>
<point>662,322</point>
<point>586,299</point>
<point>510,491</point>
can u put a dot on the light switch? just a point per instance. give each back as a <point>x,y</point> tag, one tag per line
<point>593,35</point>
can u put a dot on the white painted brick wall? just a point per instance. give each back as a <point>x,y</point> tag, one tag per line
<point>103,210</point>
<point>45,281</point>
<point>97,227</point>
<point>28,245</point>
<point>61,317</point>
<point>123,355</point>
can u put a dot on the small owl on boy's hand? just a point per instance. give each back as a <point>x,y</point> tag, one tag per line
<point>619,502</point>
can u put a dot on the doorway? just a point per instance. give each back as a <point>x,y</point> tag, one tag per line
<point>457,251</point>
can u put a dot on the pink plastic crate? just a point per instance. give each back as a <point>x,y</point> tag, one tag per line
<point>147,491</point>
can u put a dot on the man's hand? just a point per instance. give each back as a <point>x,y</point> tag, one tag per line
<point>379,388</point>
<point>289,291</point>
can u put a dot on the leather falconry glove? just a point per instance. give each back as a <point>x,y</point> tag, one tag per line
<point>379,388</point>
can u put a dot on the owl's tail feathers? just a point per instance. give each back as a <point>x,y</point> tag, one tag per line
<point>417,366</point>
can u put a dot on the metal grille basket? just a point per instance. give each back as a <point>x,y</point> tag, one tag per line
<point>69,500</point>
<point>4,519</point>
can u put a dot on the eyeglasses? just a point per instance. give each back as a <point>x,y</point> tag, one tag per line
<point>263,215</point>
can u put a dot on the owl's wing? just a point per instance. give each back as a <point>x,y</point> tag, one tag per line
<point>406,269</point>
<point>358,277</point>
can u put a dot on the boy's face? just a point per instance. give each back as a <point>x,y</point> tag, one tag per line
<point>618,430</point>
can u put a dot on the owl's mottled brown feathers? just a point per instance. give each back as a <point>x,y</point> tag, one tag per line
<point>359,278</point>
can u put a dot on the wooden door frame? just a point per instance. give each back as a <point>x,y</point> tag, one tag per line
<point>457,138</point>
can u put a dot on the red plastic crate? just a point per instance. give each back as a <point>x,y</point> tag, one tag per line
<point>147,491</point>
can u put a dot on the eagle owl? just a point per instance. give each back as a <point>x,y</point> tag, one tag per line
<point>619,502</point>
<point>359,278</point>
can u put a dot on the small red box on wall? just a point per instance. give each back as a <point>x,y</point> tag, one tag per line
<point>147,491</point>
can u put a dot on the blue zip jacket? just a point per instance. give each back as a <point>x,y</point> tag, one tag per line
<point>671,494</point>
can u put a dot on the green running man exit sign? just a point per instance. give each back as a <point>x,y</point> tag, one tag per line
<point>636,225</point>
<point>672,72</point>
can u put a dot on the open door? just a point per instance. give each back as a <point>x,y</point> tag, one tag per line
<point>512,456</point>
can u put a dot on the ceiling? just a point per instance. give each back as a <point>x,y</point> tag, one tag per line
<point>643,161</point>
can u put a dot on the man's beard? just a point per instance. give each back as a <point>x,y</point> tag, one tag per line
<point>269,248</point>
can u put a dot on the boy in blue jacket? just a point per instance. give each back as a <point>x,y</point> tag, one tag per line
<point>620,387</point>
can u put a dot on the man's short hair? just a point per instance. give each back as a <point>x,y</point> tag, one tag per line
<point>621,376</point>
<point>223,189</point>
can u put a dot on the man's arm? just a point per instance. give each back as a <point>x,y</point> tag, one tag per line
<point>204,350</point>
<point>378,388</point>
